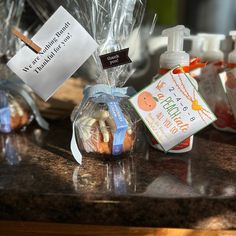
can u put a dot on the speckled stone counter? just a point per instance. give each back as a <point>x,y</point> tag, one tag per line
<point>39,181</point>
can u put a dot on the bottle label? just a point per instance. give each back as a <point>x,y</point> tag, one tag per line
<point>121,127</point>
<point>194,70</point>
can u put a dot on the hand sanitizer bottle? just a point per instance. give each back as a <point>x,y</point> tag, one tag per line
<point>172,57</point>
<point>225,109</point>
<point>211,48</point>
<point>232,55</point>
<point>197,46</point>
<point>214,57</point>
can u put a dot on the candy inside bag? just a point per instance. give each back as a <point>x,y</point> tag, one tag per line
<point>106,123</point>
<point>15,112</point>
<point>17,107</point>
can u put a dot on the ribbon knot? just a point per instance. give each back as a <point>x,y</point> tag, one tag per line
<point>99,89</point>
<point>96,91</point>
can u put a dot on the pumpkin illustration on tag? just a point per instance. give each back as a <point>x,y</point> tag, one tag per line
<point>146,101</point>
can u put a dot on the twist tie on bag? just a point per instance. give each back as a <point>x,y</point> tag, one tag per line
<point>21,89</point>
<point>111,96</point>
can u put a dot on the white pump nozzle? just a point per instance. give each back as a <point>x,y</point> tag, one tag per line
<point>197,46</point>
<point>176,37</point>
<point>233,34</point>
<point>211,47</point>
<point>175,54</point>
<point>232,55</point>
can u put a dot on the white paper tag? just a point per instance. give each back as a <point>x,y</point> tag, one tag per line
<point>65,44</point>
<point>196,72</point>
<point>208,83</point>
<point>228,80</point>
<point>172,109</point>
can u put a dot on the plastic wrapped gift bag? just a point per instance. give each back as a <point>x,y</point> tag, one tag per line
<point>105,123</point>
<point>17,107</point>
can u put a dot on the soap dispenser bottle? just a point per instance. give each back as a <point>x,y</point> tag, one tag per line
<point>225,109</point>
<point>214,58</point>
<point>175,56</point>
<point>196,47</point>
<point>232,55</point>
<point>210,85</point>
<point>211,48</point>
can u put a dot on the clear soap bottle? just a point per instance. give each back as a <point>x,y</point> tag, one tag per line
<point>174,56</point>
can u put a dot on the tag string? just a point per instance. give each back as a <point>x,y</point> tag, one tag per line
<point>194,64</point>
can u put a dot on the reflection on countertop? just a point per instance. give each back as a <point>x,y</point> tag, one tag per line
<point>40,181</point>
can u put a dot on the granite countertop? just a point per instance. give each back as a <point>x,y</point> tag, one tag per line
<point>40,181</point>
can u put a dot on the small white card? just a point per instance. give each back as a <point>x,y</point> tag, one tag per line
<point>65,44</point>
<point>172,109</point>
<point>208,83</point>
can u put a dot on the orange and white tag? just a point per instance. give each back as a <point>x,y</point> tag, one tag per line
<point>172,109</point>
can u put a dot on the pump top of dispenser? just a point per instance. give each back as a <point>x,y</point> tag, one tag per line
<point>233,34</point>
<point>175,55</point>
<point>211,47</point>
<point>232,55</point>
<point>197,46</point>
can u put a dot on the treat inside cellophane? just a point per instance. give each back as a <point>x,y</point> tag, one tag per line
<point>15,112</point>
<point>17,106</point>
<point>96,128</point>
<point>105,122</point>
<point>115,25</point>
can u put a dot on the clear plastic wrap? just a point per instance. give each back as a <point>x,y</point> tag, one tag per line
<point>223,109</point>
<point>17,107</point>
<point>110,23</point>
<point>12,146</point>
<point>96,127</point>
<point>105,123</point>
<point>10,15</point>
<point>15,112</point>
